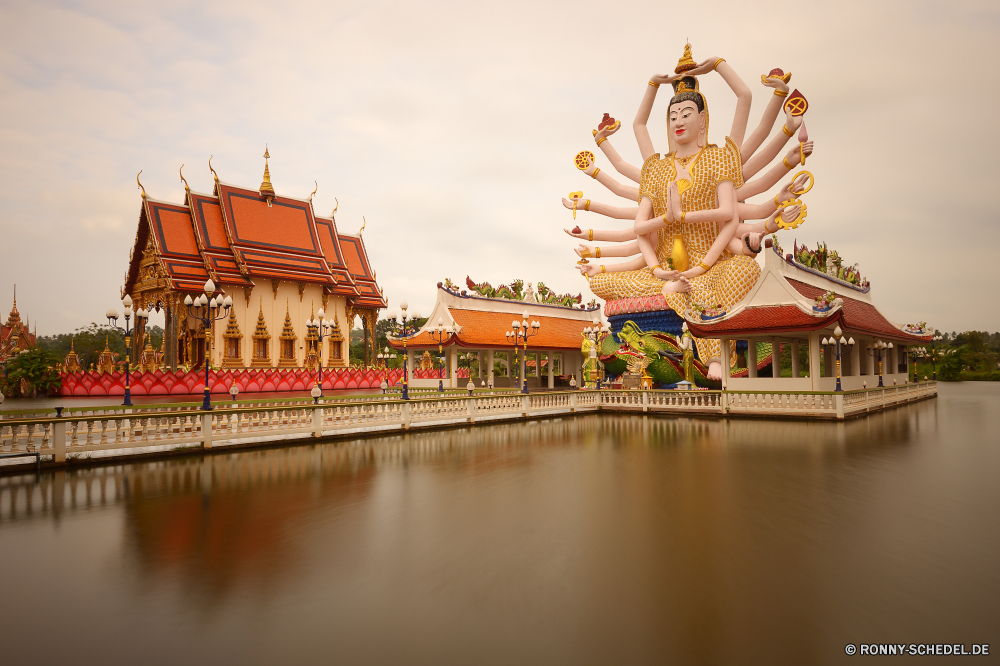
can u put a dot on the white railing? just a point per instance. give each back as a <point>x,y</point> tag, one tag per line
<point>116,432</point>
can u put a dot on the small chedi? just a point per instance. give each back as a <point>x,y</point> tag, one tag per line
<point>686,262</point>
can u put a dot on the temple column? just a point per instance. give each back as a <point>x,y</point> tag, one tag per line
<point>727,370</point>
<point>550,357</point>
<point>795,358</point>
<point>814,374</point>
<point>828,369</point>
<point>170,332</point>
<point>489,366</point>
<point>752,359</point>
<point>775,358</point>
<point>453,366</point>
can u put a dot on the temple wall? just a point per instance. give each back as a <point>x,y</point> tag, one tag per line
<point>273,304</point>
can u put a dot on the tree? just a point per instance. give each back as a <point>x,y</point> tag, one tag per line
<point>33,372</point>
<point>952,363</point>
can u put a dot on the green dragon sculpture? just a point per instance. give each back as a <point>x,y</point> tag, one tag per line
<point>546,295</point>
<point>666,359</point>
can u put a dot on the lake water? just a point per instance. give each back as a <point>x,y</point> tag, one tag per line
<point>600,539</point>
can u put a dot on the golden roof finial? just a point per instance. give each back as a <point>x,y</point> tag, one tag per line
<point>140,184</point>
<point>266,190</point>
<point>686,63</point>
<point>363,225</point>
<point>215,175</point>
<point>316,183</point>
<point>335,207</point>
<point>181,172</point>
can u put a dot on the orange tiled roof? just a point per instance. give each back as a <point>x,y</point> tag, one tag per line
<point>481,329</point>
<point>234,236</point>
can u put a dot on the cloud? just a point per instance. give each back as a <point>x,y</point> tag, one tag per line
<point>451,126</point>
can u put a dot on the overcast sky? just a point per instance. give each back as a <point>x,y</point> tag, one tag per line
<point>452,126</point>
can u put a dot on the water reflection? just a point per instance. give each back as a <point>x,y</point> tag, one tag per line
<point>597,539</point>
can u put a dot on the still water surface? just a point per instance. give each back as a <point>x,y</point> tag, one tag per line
<point>594,540</point>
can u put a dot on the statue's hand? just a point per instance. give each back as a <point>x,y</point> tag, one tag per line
<point>568,203</point>
<point>776,83</point>
<point>607,131</point>
<point>704,67</point>
<point>674,202</point>
<point>589,270</point>
<point>580,235</point>
<point>797,184</point>
<point>790,213</point>
<point>793,154</point>
<point>583,251</point>
<point>665,274</point>
<point>664,78</point>
<point>752,238</point>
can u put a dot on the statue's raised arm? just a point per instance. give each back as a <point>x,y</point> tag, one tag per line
<point>743,95</point>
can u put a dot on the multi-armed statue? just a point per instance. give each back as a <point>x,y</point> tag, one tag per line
<point>694,238</point>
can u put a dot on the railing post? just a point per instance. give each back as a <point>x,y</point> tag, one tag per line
<point>724,402</point>
<point>471,402</point>
<point>206,430</point>
<point>572,401</point>
<point>406,415</point>
<point>839,402</point>
<point>59,441</point>
<point>525,404</point>
<point>317,421</point>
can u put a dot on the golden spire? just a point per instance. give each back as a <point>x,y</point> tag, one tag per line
<point>140,184</point>
<point>316,183</point>
<point>686,63</point>
<point>335,207</point>
<point>363,225</point>
<point>288,331</point>
<point>187,189</point>
<point>261,331</point>
<point>266,190</point>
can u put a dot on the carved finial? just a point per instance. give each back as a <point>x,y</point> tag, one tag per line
<point>140,184</point>
<point>215,175</point>
<point>266,190</point>
<point>181,172</point>
<point>335,207</point>
<point>363,225</point>
<point>314,191</point>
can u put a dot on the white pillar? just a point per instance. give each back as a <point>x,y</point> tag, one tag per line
<point>795,358</point>
<point>551,358</point>
<point>453,365</point>
<point>814,359</point>
<point>752,358</point>
<point>775,360</point>
<point>727,370</point>
<point>828,369</point>
<point>489,366</point>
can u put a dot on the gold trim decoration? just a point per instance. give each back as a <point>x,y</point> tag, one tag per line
<point>261,352</point>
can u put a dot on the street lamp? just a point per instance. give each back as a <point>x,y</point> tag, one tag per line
<point>839,343</point>
<point>323,328</point>
<point>127,330</point>
<point>403,328</point>
<point>439,334</point>
<point>934,354</point>
<point>877,349</point>
<point>206,310</point>
<point>915,353</point>
<point>522,330</point>
<point>594,334</point>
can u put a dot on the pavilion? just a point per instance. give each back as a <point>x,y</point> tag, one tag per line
<point>479,326</point>
<point>15,335</point>
<point>787,307</point>
<point>278,260</point>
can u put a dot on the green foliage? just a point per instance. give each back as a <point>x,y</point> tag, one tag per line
<point>980,376</point>
<point>951,364</point>
<point>89,343</point>
<point>34,371</point>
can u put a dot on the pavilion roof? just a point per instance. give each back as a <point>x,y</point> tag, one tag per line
<point>782,302</point>
<point>487,330</point>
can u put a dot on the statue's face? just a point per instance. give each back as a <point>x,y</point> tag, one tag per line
<point>684,122</point>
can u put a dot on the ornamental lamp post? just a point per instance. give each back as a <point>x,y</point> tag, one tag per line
<point>840,345</point>
<point>439,334</point>
<point>128,329</point>
<point>208,310</point>
<point>594,335</point>
<point>403,328</point>
<point>877,350</point>
<point>324,328</point>
<point>934,353</point>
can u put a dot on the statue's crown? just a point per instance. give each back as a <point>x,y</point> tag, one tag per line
<point>686,84</point>
<point>686,63</point>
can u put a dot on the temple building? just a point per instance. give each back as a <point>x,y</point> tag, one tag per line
<point>478,329</point>
<point>804,309</point>
<point>15,335</point>
<point>278,260</point>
